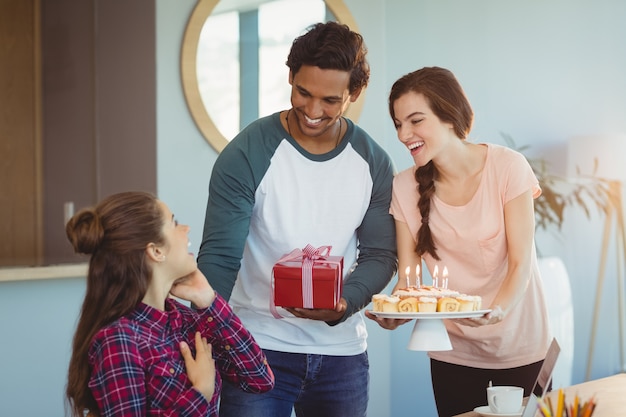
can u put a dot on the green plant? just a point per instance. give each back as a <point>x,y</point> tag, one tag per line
<point>558,193</point>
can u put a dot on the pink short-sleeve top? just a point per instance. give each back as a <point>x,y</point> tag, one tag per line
<point>471,243</point>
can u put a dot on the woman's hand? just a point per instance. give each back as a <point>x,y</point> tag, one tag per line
<point>195,288</point>
<point>494,316</point>
<point>389,324</point>
<point>201,370</point>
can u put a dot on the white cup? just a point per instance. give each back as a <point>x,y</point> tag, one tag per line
<point>505,399</point>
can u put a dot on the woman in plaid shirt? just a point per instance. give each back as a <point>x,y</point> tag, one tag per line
<point>137,351</point>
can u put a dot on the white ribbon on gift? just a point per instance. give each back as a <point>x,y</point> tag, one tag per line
<point>308,255</point>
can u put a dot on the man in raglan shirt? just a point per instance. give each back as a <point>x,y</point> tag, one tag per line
<point>306,175</point>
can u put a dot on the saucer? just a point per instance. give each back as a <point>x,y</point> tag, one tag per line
<point>485,411</point>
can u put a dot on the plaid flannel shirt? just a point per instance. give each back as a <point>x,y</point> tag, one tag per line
<point>138,370</point>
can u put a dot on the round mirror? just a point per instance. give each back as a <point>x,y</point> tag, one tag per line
<point>233,60</point>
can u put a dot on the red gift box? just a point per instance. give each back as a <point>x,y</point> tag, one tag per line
<point>308,278</point>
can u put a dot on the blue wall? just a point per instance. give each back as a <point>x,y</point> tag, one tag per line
<point>540,70</point>
<point>37,321</point>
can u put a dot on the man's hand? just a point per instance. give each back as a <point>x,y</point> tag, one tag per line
<point>321,314</point>
<point>389,324</point>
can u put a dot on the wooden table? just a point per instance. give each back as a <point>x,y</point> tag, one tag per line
<point>610,394</point>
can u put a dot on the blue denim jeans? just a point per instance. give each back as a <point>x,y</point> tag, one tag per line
<point>313,385</point>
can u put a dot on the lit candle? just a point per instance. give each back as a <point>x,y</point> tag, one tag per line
<point>436,276</point>
<point>418,276</point>
<point>407,271</point>
<point>445,277</point>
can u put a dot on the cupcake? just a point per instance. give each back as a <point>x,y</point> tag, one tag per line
<point>466,302</point>
<point>390,304</point>
<point>408,305</point>
<point>478,301</point>
<point>377,301</point>
<point>447,305</point>
<point>427,304</point>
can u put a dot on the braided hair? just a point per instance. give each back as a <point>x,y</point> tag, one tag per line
<point>447,100</point>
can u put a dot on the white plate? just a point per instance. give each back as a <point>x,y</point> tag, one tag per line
<point>442,315</point>
<point>486,412</point>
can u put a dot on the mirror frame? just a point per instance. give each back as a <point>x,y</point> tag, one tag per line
<point>191,39</point>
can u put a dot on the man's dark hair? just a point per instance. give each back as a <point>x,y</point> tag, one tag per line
<point>332,45</point>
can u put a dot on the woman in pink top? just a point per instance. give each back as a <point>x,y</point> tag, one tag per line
<point>468,207</point>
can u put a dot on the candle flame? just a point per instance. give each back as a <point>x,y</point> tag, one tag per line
<point>436,271</point>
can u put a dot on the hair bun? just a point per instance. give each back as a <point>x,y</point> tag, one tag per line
<point>84,231</point>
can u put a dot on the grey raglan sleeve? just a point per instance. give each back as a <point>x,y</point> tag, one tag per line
<point>377,261</point>
<point>227,220</point>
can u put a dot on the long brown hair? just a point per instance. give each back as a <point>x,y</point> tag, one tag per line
<point>115,233</point>
<point>448,102</point>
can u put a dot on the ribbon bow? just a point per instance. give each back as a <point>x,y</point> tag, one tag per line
<point>309,252</point>
<point>309,255</point>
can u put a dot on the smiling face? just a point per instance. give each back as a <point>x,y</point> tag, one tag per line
<point>319,98</point>
<point>175,250</point>
<point>419,129</point>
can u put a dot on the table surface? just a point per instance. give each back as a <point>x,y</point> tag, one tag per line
<point>609,392</point>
